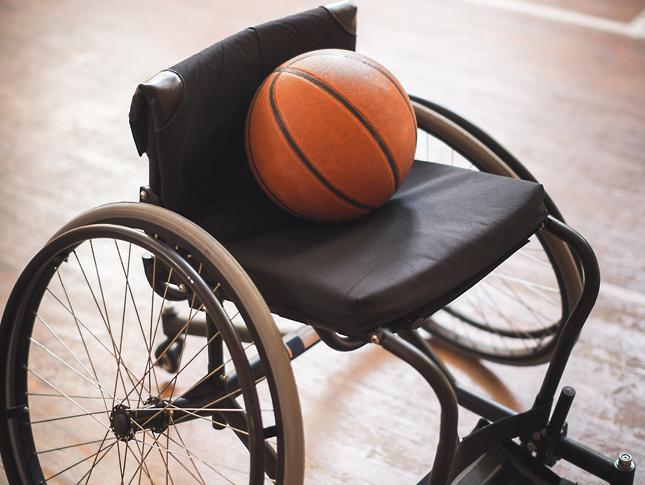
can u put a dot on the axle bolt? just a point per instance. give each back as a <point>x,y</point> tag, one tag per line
<point>120,423</point>
<point>625,462</point>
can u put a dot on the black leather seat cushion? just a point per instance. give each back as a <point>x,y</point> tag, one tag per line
<point>442,231</point>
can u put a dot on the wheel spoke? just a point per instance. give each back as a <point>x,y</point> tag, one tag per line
<point>98,277</point>
<point>161,308</point>
<point>183,445</point>
<point>214,371</point>
<point>80,322</point>
<point>97,459</point>
<point>76,396</point>
<point>72,446</point>
<point>117,351</point>
<point>163,390</point>
<point>74,465</point>
<point>165,350</point>
<point>152,309</point>
<point>59,359</point>
<point>118,451</point>
<point>108,327</point>
<point>69,351</point>
<point>212,467</point>
<point>34,373</point>
<point>89,286</point>
<point>525,252</point>
<point>80,333</point>
<point>539,316</point>
<point>220,399</point>
<point>198,479</point>
<point>71,416</point>
<point>470,296</point>
<point>126,273</point>
<point>173,381</point>
<point>209,419</point>
<point>525,341</point>
<point>542,295</point>
<point>528,284</point>
<point>166,462</point>
<point>142,462</point>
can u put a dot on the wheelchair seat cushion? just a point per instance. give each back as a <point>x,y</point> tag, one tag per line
<point>444,230</point>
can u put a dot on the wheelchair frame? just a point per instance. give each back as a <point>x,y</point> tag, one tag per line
<point>543,433</point>
<point>530,441</point>
<point>542,430</point>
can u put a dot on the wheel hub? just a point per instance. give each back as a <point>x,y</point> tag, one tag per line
<point>154,415</point>
<point>121,424</point>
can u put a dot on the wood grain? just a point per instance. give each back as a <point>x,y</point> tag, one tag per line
<point>568,101</point>
<point>624,11</point>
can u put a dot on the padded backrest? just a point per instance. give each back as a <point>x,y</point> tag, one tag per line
<point>189,119</point>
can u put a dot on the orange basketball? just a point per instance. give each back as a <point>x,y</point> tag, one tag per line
<point>330,135</point>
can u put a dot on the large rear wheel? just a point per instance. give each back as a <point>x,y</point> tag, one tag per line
<point>515,313</point>
<point>86,397</point>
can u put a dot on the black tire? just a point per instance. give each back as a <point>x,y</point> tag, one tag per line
<point>462,327</point>
<point>197,262</point>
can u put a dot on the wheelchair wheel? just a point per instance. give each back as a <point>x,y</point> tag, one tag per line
<point>514,314</point>
<point>87,400</point>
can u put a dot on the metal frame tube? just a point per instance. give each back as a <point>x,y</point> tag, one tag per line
<point>481,405</point>
<point>572,327</point>
<point>560,412</point>
<point>442,387</point>
<point>586,458</point>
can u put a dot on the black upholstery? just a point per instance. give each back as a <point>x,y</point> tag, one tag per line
<point>190,118</point>
<point>442,231</point>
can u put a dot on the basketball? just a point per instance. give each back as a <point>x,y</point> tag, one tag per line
<point>330,135</point>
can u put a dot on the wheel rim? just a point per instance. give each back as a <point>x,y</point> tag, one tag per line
<point>48,361</point>
<point>514,314</point>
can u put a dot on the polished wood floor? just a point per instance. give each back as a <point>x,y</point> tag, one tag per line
<point>567,99</point>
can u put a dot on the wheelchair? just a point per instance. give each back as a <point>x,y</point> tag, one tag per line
<point>140,344</point>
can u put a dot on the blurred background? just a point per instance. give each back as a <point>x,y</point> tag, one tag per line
<point>560,83</point>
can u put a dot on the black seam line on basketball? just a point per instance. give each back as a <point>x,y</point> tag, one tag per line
<point>390,77</point>
<point>303,158</point>
<point>379,140</point>
<point>387,75</point>
<point>261,181</point>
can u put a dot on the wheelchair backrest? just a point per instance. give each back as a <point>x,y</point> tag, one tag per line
<point>189,119</point>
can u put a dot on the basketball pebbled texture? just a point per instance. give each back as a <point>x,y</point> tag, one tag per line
<point>330,135</point>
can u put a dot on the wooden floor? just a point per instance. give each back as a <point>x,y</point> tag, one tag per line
<point>567,99</point>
